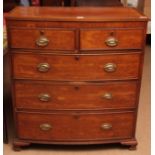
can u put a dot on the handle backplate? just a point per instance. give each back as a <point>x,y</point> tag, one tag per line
<point>43,67</point>
<point>107,96</point>
<point>110,67</point>
<point>44,97</point>
<point>111,42</point>
<point>42,41</point>
<point>45,127</point>
<point>106,126</point>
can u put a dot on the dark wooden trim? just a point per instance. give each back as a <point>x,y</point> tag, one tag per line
<point>5,129</point>
<point>131,143</point>
<point>17,144</point>
<point>148,39</point>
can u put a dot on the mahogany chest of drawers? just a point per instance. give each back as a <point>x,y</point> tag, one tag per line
<point>76,74</point>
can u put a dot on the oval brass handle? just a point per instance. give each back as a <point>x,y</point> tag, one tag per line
<point>107,96</point>
<point>45,127</point>
<point>43,67</point>
<point>110,67</point>
<point>111,42</point>
<point>42,41</point>
<point>44,97</point>
<point>106,126</point>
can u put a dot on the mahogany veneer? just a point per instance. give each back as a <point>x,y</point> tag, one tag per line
<point>75,95</point>
<point>75,127</point>
<point>76,74</point>
<point>76,67</point>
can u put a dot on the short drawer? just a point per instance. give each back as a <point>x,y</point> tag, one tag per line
<point>76,95</point>
<point>107,39</point>
<point>75,126</point>
<point>81,67</point>
<point>52,39</point>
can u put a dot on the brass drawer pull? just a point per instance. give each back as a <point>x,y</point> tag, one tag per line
<point>43,67</point>
<point>44,97</point>
<point>110,67</point>
<point>45,127</point>
<point>107,96</point>
<point>106,126</point>
<point>42,41</point>
<point>111,42</point>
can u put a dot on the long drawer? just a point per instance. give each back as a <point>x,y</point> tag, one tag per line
<point>76,67</point>
<point>110,39</point>
<point>75,126</point>
<point>73,96</point>
<point>51,39</point>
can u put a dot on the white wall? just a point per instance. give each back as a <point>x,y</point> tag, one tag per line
<point>131,3</point>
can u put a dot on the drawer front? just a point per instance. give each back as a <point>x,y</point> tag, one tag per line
<point>52,39</point>
<point>111,39</point>
<point>75,127</point>
<point>60,96</point>
<point>65,67</point>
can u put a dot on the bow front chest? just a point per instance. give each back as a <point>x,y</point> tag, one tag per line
<point>76,74</point>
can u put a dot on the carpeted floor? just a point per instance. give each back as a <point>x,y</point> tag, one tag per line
<point>143,131</point>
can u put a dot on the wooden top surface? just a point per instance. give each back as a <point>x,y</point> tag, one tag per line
<point>76,14</point>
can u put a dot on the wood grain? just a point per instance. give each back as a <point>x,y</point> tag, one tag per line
<point>75,127</point>
<point>72,13</point>
<point>31,24</point>
<point>91,39</point>
<point>55,37</point>
<point>73,96</point>
<point>67,67</point>
<point>76,78</point>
